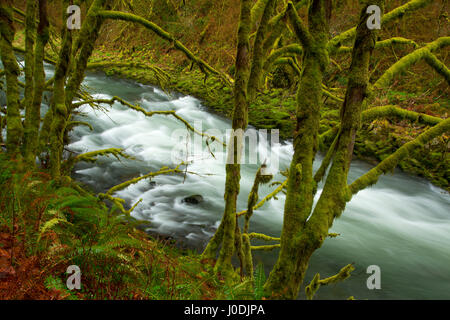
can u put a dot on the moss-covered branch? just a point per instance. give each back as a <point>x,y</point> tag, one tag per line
<point>385,43</point>
<point>391,111</point>
<point>93,155</point>
<point>72,124</point>
<point>257,12</point>
<point>389,17</point>
<point>258,53</point>
<point>438,66</point>
<point>118,202</point>
<point>300,30</point>
<point>164,170</point>
<point>320,173</point>
<point>266,198</point>
<point>288,50</point>
<point>204,67</point>
<point>404,151</point>
<point>265,248</point>
<point>316,282</point>
<point>407,61</point>
<point>261,236</point>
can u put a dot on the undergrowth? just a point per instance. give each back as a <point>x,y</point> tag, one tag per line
<point>45,228</point>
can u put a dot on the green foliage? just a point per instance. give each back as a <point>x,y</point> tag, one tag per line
<point>59,224</point>
<point>259,279</point>
<point>54,283</point>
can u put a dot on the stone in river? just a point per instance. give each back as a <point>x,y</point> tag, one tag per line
<point>194,199</point>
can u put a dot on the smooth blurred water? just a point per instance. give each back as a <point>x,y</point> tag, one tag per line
<point>402,224</point>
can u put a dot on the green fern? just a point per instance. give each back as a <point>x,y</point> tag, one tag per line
<point>49,225</point>
<point>258,281</point>
<point>54,283</point>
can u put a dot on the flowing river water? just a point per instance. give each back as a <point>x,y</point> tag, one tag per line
<point>402,224</point>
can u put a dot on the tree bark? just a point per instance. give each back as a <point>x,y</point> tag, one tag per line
<point>303,234</point>
<point>14,130</point>
<point>33,112</point>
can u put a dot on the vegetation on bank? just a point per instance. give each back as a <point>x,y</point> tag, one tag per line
<point>46,226</point>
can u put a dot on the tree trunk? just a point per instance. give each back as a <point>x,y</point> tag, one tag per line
<point>33,116</point>
<point>14,125</point>
<point>227,230</point>
<point>71,66</point>
<point>300,242</point>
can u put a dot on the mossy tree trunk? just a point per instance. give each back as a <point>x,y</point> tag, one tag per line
<point>285,278</point>
<point>30,34</point>
<point>258,54</point>
<point>33,111</point>
<point>227,230</point>
<point>14,130</point>
<point>70,68</point>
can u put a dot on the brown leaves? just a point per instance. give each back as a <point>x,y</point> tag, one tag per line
<point>21,276</point>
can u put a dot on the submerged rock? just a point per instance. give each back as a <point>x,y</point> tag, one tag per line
<point>194,199</point>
